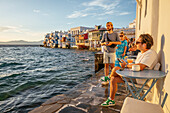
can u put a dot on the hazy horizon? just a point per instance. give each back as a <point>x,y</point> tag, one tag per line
<point>21,40</point>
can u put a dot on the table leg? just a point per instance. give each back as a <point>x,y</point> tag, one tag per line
<point>133,95</point>
<point>153,83</point>
<point>134,87</point>
<point>133,84</point>
<point>140,89</point>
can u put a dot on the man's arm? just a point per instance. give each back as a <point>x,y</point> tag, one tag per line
<point>142,66</point>
<point>110,43</point>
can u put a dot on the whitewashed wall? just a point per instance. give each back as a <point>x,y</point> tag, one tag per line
<point>157,22</point>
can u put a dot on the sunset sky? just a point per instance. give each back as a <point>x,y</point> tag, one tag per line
<point>30,19</point>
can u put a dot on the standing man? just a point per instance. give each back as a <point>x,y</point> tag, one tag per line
<point>109,40</point>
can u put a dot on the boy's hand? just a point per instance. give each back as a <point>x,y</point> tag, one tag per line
<point>123,64</point>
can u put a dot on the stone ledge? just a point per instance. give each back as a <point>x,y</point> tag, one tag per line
<point>47,109</point>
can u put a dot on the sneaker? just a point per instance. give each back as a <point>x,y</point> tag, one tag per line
<point>108,102</point>
<point>105,80</point>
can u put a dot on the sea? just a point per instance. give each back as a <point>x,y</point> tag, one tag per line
<point>30,75</point>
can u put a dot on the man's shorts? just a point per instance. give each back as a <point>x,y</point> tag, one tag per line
<point>109,58</point>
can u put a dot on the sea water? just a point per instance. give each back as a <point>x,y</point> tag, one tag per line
<point>31,75</point>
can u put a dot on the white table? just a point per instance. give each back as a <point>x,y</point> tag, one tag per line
<point>145,74</point>
<point>132,56</point>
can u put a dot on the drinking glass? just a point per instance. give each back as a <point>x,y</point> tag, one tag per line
<point>129,60</point>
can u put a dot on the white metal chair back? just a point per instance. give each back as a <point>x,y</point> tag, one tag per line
<point>157,66</point>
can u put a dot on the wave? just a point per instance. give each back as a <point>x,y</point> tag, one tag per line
<point>18,89</point>
<point>15,49</point>
<point>72,83</point>
<point>12,75</point>
<point>9,64</point>
<point>51,71</point>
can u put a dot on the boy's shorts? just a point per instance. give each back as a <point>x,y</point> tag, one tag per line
<point>117,64</point>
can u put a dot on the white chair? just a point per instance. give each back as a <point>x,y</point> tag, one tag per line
<point>132,105</point>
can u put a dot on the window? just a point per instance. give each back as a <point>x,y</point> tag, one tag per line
<point>139,18</point>
<point>146,2</point>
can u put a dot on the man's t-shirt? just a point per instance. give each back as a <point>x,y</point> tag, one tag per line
<point>148,58</point>
<point>114,38</point>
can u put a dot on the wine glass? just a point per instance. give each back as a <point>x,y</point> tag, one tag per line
<point>129,60</point>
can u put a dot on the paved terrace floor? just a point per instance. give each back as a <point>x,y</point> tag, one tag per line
<point>84,98</point>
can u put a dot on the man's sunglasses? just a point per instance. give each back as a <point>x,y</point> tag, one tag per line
<point>121,35</point>
<point>138,42</point>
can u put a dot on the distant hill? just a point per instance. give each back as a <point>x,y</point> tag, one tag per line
<point>22,42</point>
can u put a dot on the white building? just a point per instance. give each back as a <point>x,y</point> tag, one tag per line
<point>152,17</point>
<point>133,24</point>
<point>77,30</point>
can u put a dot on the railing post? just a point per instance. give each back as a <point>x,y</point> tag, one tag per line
<point>98,61</point>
